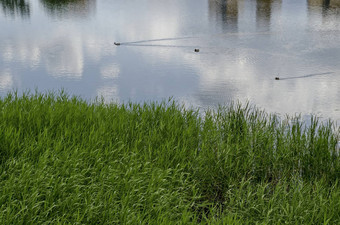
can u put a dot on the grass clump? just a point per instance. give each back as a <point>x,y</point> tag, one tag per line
<point>64,160</point>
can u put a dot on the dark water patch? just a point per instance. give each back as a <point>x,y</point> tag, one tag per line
<point>69,8</point>
<point>14,8</point>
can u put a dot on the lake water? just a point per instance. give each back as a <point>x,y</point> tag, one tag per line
<point>243,46</point>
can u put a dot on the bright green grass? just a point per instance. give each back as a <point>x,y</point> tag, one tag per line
<point>67,161</point>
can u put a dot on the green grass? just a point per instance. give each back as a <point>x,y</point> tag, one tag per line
<point>64,160</point>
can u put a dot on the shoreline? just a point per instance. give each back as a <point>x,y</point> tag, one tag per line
<point>66,160</point>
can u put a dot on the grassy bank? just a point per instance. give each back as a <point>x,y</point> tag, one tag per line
<point>64,160</point>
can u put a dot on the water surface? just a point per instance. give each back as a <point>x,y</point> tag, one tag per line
<point>244,45</point>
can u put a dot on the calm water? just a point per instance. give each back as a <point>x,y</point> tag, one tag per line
<point>243,46</point>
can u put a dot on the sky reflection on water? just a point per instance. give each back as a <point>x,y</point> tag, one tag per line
<point>244,45</point>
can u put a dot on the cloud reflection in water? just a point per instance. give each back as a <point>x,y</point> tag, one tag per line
<point>243,45</point>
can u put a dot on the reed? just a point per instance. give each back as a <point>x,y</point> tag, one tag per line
<point>66,160</point>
